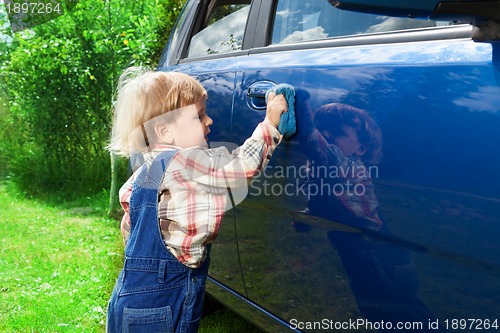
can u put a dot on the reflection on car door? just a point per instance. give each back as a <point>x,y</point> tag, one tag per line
<point>408,247</point>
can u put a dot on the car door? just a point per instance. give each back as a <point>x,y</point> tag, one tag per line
<point>207,43</point>
<point>423,249</point>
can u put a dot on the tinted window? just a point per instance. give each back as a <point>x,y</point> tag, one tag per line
<point>223,28</point>
<point>298,20</point>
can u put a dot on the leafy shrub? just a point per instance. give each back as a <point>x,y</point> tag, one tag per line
<point>57,83</point>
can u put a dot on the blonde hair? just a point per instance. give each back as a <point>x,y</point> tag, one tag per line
<point>142,96</point>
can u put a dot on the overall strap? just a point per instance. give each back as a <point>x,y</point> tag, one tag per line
<point>151,174</point>
<point>145,239</point>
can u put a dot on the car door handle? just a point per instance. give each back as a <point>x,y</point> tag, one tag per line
<point>256,94</point>
<point>258,89</point>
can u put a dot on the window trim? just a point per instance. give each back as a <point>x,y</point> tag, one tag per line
<point>262,23</point>
<point>232,54</point>
<point>462,31</point>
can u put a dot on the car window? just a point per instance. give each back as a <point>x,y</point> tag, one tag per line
<point>298,20</point>
<point>223,28</point>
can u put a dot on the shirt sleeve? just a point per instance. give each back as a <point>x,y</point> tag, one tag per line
<point>219,169</point>
<point>124,196</point>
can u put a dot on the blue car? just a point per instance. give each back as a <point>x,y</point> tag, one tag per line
<point>382,212</point>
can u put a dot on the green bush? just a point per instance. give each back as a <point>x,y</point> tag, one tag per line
<point>57,83</point>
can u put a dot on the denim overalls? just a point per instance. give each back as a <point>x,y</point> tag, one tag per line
<point>154,291</point>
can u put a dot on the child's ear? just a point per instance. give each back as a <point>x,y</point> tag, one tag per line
<point>164,134</point>
<point>361,150</point>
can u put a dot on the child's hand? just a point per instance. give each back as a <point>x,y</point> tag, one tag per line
<point>276,105</point>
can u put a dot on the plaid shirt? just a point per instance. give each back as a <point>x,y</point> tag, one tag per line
<point>193,193</point>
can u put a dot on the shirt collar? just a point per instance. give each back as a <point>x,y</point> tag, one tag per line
<point>155,150</point>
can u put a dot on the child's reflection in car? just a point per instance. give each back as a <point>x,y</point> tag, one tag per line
<point>347,142</point>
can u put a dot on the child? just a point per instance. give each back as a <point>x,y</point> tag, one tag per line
<point>175,201</point>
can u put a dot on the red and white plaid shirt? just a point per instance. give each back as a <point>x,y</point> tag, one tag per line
<point>193,192</point>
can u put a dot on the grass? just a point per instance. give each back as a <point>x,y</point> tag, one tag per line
<point>218,319</point>
<point>58,265</point>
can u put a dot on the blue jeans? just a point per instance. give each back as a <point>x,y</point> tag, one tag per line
<point>154,292</point>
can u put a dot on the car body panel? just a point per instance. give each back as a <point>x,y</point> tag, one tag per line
<point>437,184</point>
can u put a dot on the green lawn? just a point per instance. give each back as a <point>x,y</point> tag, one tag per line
<point>58,267</point>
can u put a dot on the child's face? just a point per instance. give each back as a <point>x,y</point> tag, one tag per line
<point>348,143</point>
<point>191,128</point>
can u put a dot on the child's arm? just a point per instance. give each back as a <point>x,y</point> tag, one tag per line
<point>220,169</point>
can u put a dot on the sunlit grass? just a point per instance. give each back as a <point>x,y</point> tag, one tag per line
<point>57,268</point>
<point>58,265</point>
